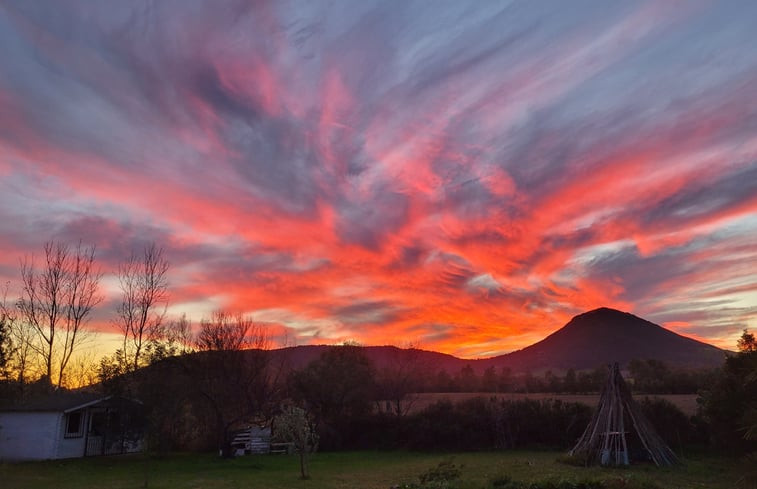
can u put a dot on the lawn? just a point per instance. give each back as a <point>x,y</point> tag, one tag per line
<point>366,470</point>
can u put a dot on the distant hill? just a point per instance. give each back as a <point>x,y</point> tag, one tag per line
<point>607,335</point>
<point>381,356</point>
<point>588,340</point>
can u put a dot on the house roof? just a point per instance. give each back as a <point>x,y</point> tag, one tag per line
<point>56,402</point>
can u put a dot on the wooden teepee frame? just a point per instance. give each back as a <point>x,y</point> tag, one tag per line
<point>604,440</point>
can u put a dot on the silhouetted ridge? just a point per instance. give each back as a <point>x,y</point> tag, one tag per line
<point>589,340</point>
<point>607,335</point>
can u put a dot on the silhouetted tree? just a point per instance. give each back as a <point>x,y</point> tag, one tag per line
<point>21,337</point>
<point>57,301</point>
<point>144,295</point>
<point>444,382</point>
<point>336,387</point>
<point>506,381</point>
<point>489,380</point>
<point>730,401</point>
<point>746,343</point>
<point>229,332</point>
<point>468,379</point>
<point>649,376</point>
<point>570,382</point>
<point>231,373</point>
<point>552,382</point>
<point>398,381</point>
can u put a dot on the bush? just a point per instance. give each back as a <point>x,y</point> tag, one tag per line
<point>670,422</point>
<point>443,476</point>
<point>505,482</point>
<point>476,424</point>
<point>486,424</point>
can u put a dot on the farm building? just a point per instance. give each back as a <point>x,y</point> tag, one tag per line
<point>69,425</point>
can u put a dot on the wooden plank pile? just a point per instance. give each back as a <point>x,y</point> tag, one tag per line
<point>617,420</point>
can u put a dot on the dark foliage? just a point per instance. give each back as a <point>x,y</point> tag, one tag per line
<point>506,482</point>
<point>657,377</point>
<point>730,401</point>
<point>338,389</point>
<point>476,424</point>
<point>649,377</point>
<point>675,428</point>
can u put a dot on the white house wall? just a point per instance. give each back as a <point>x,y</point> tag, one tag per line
<point>71,447</point>
<point>29,435</point>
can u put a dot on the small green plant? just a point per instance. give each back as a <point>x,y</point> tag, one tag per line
<point>443,476</point>
<point>506,482</point>
<point>501,482</point>
<point>577,460</point>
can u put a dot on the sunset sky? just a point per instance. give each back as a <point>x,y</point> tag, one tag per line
<point>461,175</point>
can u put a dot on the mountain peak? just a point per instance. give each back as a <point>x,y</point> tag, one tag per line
<point>605,318</point>
<point>606,335</point>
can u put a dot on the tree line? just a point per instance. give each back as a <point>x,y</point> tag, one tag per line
<point>198,401</point>
<point>646,376</point>
<point>43,329</point>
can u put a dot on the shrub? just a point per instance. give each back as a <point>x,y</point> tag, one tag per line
<point>670,422</point>
<point>442,475</point>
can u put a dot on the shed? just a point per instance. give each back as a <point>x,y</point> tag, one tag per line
<point>69,425</point>
<point>252,440</point>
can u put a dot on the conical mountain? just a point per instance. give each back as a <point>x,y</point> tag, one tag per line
<point>603,336</point>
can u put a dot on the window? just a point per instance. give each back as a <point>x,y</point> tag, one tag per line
<point>74,424</point>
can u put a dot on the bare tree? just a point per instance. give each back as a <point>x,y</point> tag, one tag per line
<point>172,338</point>
<point>400,380</point>
<point>56,302</point>
<point>21,338</point>
<point>179,333</point>
<point>225,331</point>
<point>232,373</point>
<point>82,296</point>
<point>144,287</point>
<point>82,370</point>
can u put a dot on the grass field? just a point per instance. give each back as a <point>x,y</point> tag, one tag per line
<point>367,470</point>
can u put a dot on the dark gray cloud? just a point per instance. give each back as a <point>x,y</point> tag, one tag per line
<point>369,219</point>
<point>601,151</point>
